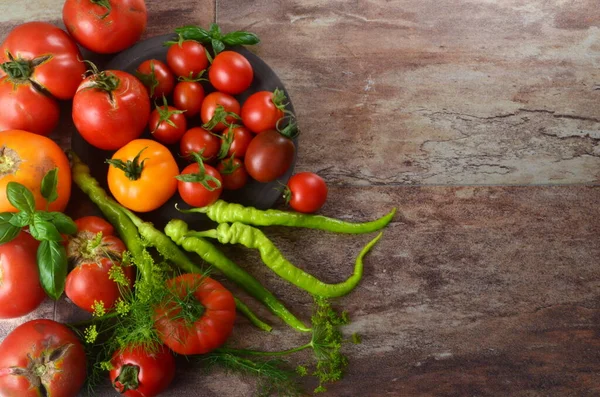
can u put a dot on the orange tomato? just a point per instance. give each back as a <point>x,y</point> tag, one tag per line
<point>144,184</point>
<point>25,158</point>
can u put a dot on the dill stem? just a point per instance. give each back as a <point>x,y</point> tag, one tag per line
<point>246,352</point>
<point>94,320</point>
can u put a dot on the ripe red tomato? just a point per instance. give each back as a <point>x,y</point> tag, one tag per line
<point>199,189</point>
<point>41,358</point>
<point>240,140</point>
<point>59,68</point>
<point>188,96</point>
<point>198,140</point>
<point>262,110</point>
<point>22,107</point>
<point>230,73</point>
<point>167,124</point>
<point>187,59</point>
<point>19,273</point>
<point>210,104</point>
<point>157,77</point>
<point>205,321</point>
<point>269,156</point>
<point>137,373</point>
<point>110,109</point>
<point>95,224</point>
<point>306,192</point>
<point>105,28</point>
<point>234,173</point>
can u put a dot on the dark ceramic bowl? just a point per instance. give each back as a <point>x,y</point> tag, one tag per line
<point>255,194</point>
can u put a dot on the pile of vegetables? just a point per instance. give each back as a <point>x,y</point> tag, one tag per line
<point>151,294</point>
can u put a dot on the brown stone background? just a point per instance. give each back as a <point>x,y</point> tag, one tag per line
<point>480,120</point>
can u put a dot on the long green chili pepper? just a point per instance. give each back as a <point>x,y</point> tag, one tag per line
<point>252,237</point>
<point>224,212</point>
<point>177,230</point>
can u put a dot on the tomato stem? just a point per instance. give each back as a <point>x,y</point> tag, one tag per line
<point>201,176</point>
<point>105,4</point>
<point>128,378</point>
<point>20,70</point>
<point>132,168</point>
<point>165,114</point>
<point>148,79</point>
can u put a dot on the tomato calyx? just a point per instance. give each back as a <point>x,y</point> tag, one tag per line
<point>132,168</point>
<point>9,161</point>
<point>105,4</point>
<point>290,130</point>
<point>229,165</point>
<point>193,79</point>
<point>20,70</point>
<point>164,115</point>
<point>128,378</point>
<point>201,177</point>
<point>220,116</point>
<point>148,79</point>
<point>87,247</point>
<point>226,141</point>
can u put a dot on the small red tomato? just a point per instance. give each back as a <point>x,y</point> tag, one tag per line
<point>262,110</point>
<point>212,102</point>
<point>233,172</point>
<point>231,73</point>
<point>199,184</point>
<point>198,140</point>
<point>187,59</point>
<point>137,373</point>
<point>306,192</point>
<point>238,138</point>
<point>167,124</point>
<point>269,156</point>
<point>188,96</point>
<point>157,77</point>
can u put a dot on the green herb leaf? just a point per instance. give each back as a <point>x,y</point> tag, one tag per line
<point>20,219</point>
<point>20,197</point>
<point>217,45</point>
<point>240,38</point>
<point>49,184</point>
<point>8,231</point>
<point>52,264</point>
<point>63,223</point>
<point>215,31</point>
<point>194,33</point>
<point>42,229</point>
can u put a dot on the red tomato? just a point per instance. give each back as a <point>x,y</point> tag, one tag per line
<point>204,323</point>
<point>209,106</point>
<point>19,273</point>
<point>187,59</point>
<point>231,73</point>
<point>157,77</point>
<point>195,193</point>
<point>234,173</point>
<point>239,141</point>
<point>269,156</point>
<point>105,28</point>
<point>198,140</point>
<point>110,115</point>
<point>262,110</point>
<point>167,124</point>
<point>41,358</point>
<point>188,96</point>
<point>59,74</point>
<point>137,373</point>
<point>306,192</point>
<point>23,107</point>
<point>95,224</point>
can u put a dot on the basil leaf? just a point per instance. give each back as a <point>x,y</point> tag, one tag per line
<point>217,45</point>
<point>63,223</point>
<point>193,33</point>
<point>240,38</point>
<point>8,231</point>
<point>49,184</point>
<point>52,265</point>
<point>215,31</point>
<point>20,219</point>
<point>20,197</point>
<point>41,229</point>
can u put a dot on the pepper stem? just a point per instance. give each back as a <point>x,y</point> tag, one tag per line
<point>128,378</point>
<point>132,168</point>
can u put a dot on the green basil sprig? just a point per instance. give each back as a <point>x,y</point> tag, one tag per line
<point>215,37</point>
<point>44,226</point>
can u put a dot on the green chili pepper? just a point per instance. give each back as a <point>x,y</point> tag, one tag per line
<point>252,237</point>
<point>177,230</point>
<point>224,212</point>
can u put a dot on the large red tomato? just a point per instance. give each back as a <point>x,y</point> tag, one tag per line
<point>41,358</point>
<point>46,55</point>
<point>106,26</point>
<point>111,108</point>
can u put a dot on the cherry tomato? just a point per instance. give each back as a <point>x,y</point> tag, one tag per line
<point>110,109</point>
<point>239,141</point>
<point>234,173</point>
<point>188,96</point>
<point>167,124</point>
<point>187,59</point>
<point>157,77</point>
<point>26,158</point>
<point>148,186</point>
<point>269,156</point>
<point>306,192</point>
<point>198,140</point>
<point>137,373</point>
<point>230,73</point>
<point>262,110</point>
<point>25,108</point>
<point>41,358</point>
<point>19,273</point>
<point>204,323</point>
<point>105,28</point>
<point>59,67</point>
<point>195,193</point>
<point>210,104</point>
